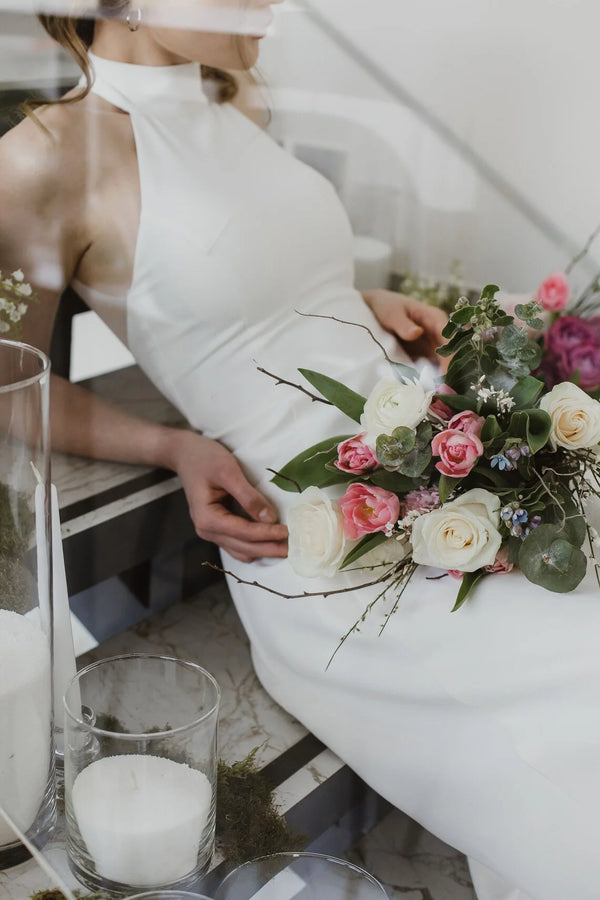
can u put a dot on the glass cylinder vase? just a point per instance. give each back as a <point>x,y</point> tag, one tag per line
<point>27,787</point>
<point>140,773</point>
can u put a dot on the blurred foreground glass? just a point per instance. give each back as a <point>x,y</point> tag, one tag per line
<point>140,772</point>
<point>27,790</point>
<point>168,895</point>
<point>284,876</point>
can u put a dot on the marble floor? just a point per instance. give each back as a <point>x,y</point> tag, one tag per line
<point>411,863</point>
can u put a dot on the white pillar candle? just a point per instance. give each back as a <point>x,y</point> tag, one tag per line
<point>372,263</point>
<point>64,666</point>
<point>142,817</point>
<point>25,715</point>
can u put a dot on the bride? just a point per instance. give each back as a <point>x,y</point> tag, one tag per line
<point>199,241</point>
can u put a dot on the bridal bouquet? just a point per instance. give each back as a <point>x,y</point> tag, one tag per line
<point>486,470</point>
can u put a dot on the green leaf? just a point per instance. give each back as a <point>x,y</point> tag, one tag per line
<point>526,391</point>
<point>498,479</point>
<point>392,481</point>
<point>346,400</point>
<point>491,430</point>
<point>446,487</point>
<point>469,580</point>
<point>404,372</point>
<point>533,426</point>
<point>548,559</point>
<point>311,467</point>
<point>368,542</point>
<point>489,291</point>
<point>462,316</point>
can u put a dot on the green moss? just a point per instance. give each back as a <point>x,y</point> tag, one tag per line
<point>16,525</point>
<point>248,823</point>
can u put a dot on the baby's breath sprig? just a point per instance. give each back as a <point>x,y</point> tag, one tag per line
<point>15,296</point>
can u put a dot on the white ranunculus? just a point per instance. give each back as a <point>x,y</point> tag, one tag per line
<point>316,544</point>
<point>461,535</point>
<point>575,417</point>
<point>392,403</point>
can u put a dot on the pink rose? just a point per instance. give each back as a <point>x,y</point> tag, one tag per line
<point>367,509</point>
<point>438,407</point>
<point>553,293</point>
<point>355,457</point>
<point>501,565</point>
<point>468,422</point>
<point>458,452</point>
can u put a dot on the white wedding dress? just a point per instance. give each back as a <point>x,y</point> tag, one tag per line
<point>483,725</point>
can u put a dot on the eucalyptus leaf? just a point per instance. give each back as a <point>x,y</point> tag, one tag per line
<point>346,400</point>
<point>404,373</point>
<point>547,558</point>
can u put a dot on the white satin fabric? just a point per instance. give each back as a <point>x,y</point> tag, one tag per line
<point>484,725</point>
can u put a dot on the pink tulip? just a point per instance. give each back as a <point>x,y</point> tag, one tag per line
<point>438,407</point>
<point>553,293</point>
<point>458,452</point>
<point>355,457</point>
<point>367,509</point>
<point>468,422</point>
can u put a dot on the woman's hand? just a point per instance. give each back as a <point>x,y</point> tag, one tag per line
<point>418,326</point>
<point>224,506</point>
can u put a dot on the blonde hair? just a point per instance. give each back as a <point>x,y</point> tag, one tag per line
<point>75,35</point>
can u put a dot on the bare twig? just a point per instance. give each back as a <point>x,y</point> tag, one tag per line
<point>264,587</point>
<point>298,387</point>
<point>356,325</point>
<point>287,478</point>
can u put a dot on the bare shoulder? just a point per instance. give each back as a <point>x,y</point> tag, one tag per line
<point>39,158</point>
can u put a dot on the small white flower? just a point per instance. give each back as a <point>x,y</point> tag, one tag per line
<point>4,326</point>
<point>18,275</point>
<point>24,289</point>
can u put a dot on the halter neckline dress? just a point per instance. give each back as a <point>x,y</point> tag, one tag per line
<point>483,725</point>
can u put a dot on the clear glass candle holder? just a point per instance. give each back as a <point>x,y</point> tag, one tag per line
<point>312,876</point>
<point>140,773</point>
<point>27,785</point>
<point>168,895</point>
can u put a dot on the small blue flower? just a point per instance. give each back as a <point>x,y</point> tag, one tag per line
<point>513,453</point>
<point>506,513</point>
<point>501,462</point>
<point>519,517</point>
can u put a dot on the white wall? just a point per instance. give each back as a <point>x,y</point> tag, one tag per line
<point>516,79</point>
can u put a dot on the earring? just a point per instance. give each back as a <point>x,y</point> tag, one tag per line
<point>134,20</point>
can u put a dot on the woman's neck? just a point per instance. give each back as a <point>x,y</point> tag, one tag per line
<point>114,40</point>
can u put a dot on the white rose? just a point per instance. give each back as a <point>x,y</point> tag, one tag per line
<point>462,534</point>
<point>392,403</point>
<point>316,543</point>
<point>575,417</point>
